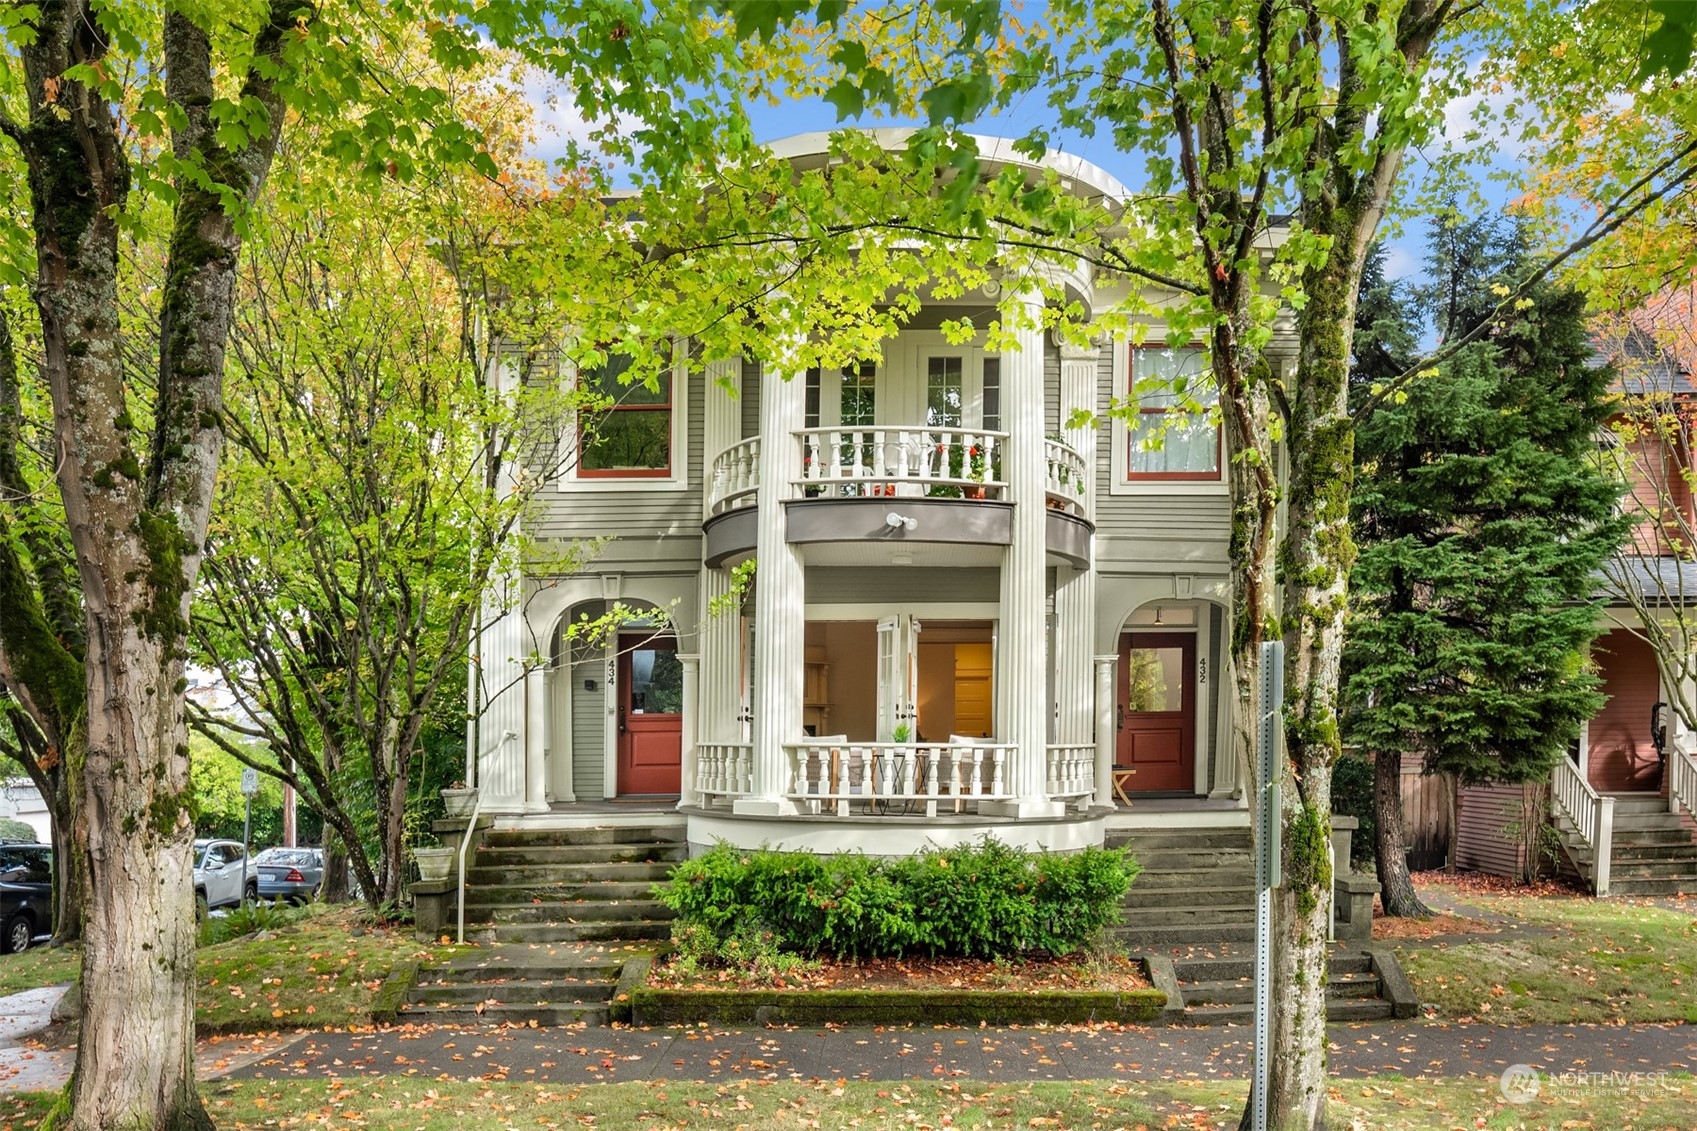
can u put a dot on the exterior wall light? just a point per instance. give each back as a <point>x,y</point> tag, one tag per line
<point>900,521</point>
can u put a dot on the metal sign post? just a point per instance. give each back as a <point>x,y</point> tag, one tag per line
<point>1267,860</point>
<point>250,786</point>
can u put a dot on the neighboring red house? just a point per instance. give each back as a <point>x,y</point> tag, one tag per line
<point>1622,805</point>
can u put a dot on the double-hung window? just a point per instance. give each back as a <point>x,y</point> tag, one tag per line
<point>630,437</point>
<point>1175,434</point>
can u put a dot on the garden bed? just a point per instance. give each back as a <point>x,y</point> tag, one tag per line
<point>947,991</point>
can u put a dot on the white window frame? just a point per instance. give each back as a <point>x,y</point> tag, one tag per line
<point>1119,445</point>
<point>912,378</point>
<point>571,482</point>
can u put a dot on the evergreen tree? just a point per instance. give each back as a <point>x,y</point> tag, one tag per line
<point>1482,517</point>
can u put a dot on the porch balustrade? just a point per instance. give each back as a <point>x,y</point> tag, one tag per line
<point>1067,474</point>
<point>1592,815</point>
<point>902,462</point>
<point>1071,772</point>
<point>1682,781</point>
<point>896,777</point>
<point>724,769</point>
<point>734,477</point>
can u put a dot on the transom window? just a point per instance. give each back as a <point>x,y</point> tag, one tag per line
<point>632,437</point>
<point>1175,434</point>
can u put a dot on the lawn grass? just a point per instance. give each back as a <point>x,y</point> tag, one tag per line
<point>1601,960</point>
<point>320,970</point>
<point>42,966</point>
<point>1391,1103</point>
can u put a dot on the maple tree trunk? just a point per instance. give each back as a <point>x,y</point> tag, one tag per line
<point>1396,887</point>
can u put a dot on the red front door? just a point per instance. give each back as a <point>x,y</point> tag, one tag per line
<point>650,715</point>
<point>1157,710</point>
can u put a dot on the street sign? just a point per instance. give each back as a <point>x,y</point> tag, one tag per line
<point>250,781</point>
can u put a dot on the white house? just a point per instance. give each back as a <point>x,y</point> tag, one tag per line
<point>967,613</point>
<point>21,801</point>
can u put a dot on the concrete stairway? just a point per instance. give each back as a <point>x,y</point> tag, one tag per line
<point>570,885</point>
<point>1653,852</point>
<point>1220,989</point>
<point>565,985</point>
<point>1197,887</point>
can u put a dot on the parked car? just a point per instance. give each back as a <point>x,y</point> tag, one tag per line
<point>26,895</point>
<point>218,875</point>
<point>293,874</point>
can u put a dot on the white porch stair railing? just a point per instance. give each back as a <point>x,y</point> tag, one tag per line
<point>471,829</point>
<point>1592,816</point>
<point>1070,771</point>
<point>915,775</point>
<point>734,477</point>
<point>904,462</point>
<point>1065,473</point>
<point>1682,781</point>
<point>724,769</point>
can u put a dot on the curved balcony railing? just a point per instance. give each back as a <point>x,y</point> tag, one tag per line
<point>1065,473</point>
<point>734,477</point>
<point>905,462</point>
<point>723,770</point>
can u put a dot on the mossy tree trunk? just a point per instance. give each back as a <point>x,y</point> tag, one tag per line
<point>137,527</point>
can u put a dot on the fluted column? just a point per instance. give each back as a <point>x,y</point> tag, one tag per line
<point>691,664</point>
<point>720,420</point>
<point>1075,591</point>
<point>536,740</point>
<point>1106,670</point>
<point>1022,712</point>
<point>501,776</point>
<point>779,598</point>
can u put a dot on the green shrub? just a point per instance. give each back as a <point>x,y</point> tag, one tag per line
<point>248,918</point>
<point>1352,796</point>
<point>984,901</point>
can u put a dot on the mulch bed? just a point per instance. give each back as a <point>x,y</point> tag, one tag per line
<point>1443,923</point>
<point>1109,974</point>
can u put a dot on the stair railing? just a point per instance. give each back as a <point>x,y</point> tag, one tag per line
<point>1682,781</point>
<point>1592,814</point>
<point>470,828</point>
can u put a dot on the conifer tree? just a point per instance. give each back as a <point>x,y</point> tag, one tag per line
<point>1483,518</point>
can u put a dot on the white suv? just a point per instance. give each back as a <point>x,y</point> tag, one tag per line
<point>218,871</point>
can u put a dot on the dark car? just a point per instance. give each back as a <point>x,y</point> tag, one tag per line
<point>293,874</point>
<point>26,895</point>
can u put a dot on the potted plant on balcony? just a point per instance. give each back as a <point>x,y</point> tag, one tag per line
<point>458,801</point>
<point>975,471</point>
<point>433,860</point>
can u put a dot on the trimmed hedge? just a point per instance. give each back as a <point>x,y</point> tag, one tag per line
<point>981,901</point>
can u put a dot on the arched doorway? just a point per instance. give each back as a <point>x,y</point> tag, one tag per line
<point>1164,704</point>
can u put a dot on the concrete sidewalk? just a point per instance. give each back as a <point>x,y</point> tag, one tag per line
<point>1077,1053</point>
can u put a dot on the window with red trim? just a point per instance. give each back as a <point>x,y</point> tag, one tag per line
<point>1175,435</point>
<point>631,438</point>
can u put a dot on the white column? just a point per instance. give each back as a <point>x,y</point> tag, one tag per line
<point>536,741</point>
<point>780,598</point>
<point>720,655</point>
<point>720,419</point>
<point>1106,670</point>
<point>1078,392</point>
<point>1075,631</point>
<point>691,664</point>
<point>560,780</point>
<point>1022,712</point>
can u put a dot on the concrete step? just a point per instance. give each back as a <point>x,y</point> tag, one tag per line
<point>1648,822</point>
<point>1166,860</point>
<point>1185,879</point>
<point>1141,897</point>
<point>1665,885</point>
<point>1346,1009</point>
<point>460,1013</point>
<point>601,834</point>
<point>584,911</point>
<point>578,854</point>
<point>1639,802</point>
<point>1678,836</point>
<point>521,992</point>
<point>525,875</point>
<point>492,894</point>
<point>1165,938</point>
<point>1232,969</point>
<point>1232,914</point>
<point>1239,990</point>
<point>1638,851</point>
<point>562,932</point>
<point>1189,839</point>
<point>566,966</point>
<point>1651,869</point>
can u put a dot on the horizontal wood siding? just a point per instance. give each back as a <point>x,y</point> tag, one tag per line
<point>1051,390</point>
<point>658,529</point>
<point>829,585</point>
<point>1622,758</point>
<point>1178,532</point>
<point>1482,812</point>
<point>750,399</point>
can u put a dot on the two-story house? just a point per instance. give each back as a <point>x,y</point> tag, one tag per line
<point>970,612</point>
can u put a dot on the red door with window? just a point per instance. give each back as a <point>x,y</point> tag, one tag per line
<point>650,715</point>
<point>1157,710</point>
